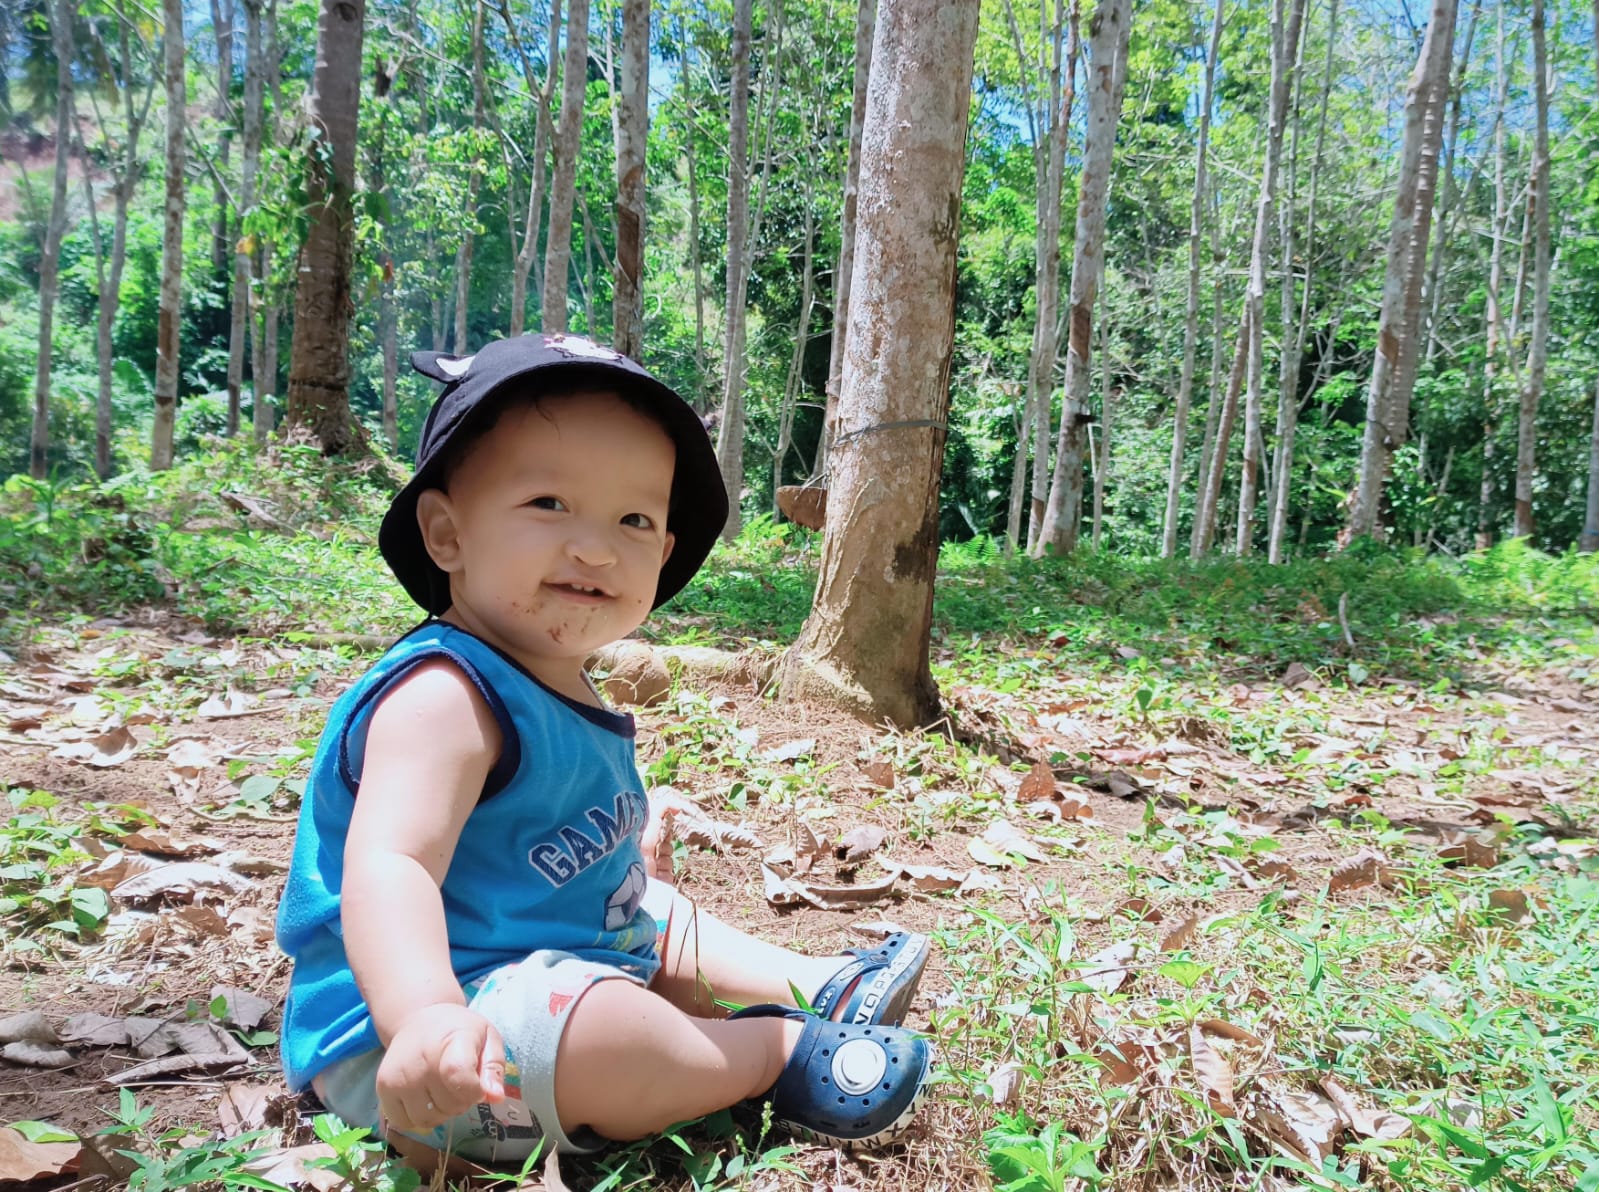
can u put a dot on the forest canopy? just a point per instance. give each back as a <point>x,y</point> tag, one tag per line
<point>1269,282</point>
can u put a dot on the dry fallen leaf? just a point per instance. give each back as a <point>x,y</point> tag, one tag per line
<point>1365,868</point>
<point>1106,969</point>
<point>1510,905</point>
<point>929,879</point>
<point>1005,1084</point>
<point>170,844</point>
<point>22,1161</point>
<point>181,880</point>
<point>1039,783</point>
<point>244,1010</point>
<point>288,1167</point>
<point>1214,1073</point>
<point>1477,851</point>
<point>789,751</point>
<point>859,843</point>
<point>30,1026</point>
<point>95,1030</point>
<point>243,1107</point>
<point>1227,1030</point>
<point>110,748</point>
<point>36,1055</point>
<point>1002,842</point>
<point>1368,1123</point>
<point>1307,1124</point>
<point>222,707</point>
<point>714,834</point>
<point>1176,934</point>
<point>879,774</point>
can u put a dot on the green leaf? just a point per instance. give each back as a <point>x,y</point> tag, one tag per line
<point>42,1132</point>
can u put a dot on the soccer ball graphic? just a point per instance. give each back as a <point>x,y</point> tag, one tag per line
<point>623,903</point>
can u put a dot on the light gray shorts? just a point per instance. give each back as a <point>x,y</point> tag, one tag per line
<point>528,1003</point>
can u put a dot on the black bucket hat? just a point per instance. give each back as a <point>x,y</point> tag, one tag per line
<point>551,364</point>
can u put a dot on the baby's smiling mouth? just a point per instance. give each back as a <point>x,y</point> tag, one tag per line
<point>576,590</point>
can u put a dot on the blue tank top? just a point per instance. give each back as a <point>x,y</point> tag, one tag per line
<point>549,858</point>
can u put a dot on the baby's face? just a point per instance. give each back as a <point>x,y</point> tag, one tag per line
<point>554,527</point>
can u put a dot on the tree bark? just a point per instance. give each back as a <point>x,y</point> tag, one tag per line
<point>243,249</point>
<point>264,326</point>
<point>1196,231</point>
<point>1286,28</point>
<point>527,254</point>
<point>62,15</point>
<point>696,260</point>
<point>730,438</point>
<point>1449,196</point>
<point>568,141</point>
<point>1216,470</point>
<point>1107,411</point>
<point>319,363</point>
<point>224,254</point>
<point>866,642</point>
<point>463,252</point>
<point>1393,370</point>
<point>865,26</point>
<point>1288,391</point>
<point>1108,37</point>
<point>1197,533</point>
<point>632,132</point>
<point>170,317</point>
<point>802,337</point>
<point>1589,541</point>
<point>1494,313</point>
<point>1538,350</point>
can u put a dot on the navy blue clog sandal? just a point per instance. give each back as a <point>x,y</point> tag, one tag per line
<point>884,980</point>
<point>854,1086</point>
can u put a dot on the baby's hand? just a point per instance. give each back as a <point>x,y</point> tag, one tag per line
<point>665,806</point>
<point>443,1060</point>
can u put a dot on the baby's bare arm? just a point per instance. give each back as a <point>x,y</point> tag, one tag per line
<point>431,744</point>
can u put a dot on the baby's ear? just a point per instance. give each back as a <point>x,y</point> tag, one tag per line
<point>436,519</point>
<point>440,366</point>
<point>666,551</point>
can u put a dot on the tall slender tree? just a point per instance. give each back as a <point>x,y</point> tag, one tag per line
<point>730,436</point>
<point>632,131</point>
<point>866,642</point>
<point>319,358</point>
<point>1288,390</point>
<point>865,27</point>
<point>1196,231</point>
<point>543,133</point>
<point>1393,372</point>
<point>170,317</point>
<point>1287,21</point>
<point>474,182</point>
<point>568,142</point>
<point>1589,541</point>
<point>62,15</point>
<point>1109,31</point>
<point>1538,350</point>
<point>1493,307</point>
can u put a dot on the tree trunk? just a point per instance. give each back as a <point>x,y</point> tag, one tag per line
<point>222,112</point>
<point>1288,385</point>
<point>632,131</point>
<point>170,318</point>
<point>1448,191</point>
<point>1494,312</point>
<point>528,253</point>
<point>1216,470</point>
<point>794,379</point>
<point>1196,228</point>
<point>1108,37</point>
<point>463,252</point>
<point>319,363</point>
<point>1393,371</point>
<point>243,250</point>
<point>866,642</point>
<point>700,365</point>
<point>1285,51</point>
<point>865,26</point>
<point>1107,410</point>
<point>1589,541</point>
<point>62,15</point>
<point>1050,129</point>
<point>730,439</point>
<point>568,141</point>
<point>1198,533</point>
<point>1538,350</point>
<point>264,326</point>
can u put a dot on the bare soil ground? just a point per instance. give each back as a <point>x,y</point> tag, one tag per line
<point>156,727</point>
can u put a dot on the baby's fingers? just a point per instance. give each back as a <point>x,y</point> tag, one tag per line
<point>457,1086</point>
<point>491,1067</point>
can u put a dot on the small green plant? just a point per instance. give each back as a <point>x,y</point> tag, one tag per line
<point>1025,1158</point>
<point>166,1165</point>
<point>39,896</point>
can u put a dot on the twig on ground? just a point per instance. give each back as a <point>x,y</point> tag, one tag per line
<point>1343,620</point>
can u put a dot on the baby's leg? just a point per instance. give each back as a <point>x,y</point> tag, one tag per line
<point>631,1064</point>
<point>704,960</point>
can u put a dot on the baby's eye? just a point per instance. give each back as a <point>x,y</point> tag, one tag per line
<point>552,503</point>
<point>639,521</point>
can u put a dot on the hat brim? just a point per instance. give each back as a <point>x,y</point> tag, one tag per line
<point>699,502</point>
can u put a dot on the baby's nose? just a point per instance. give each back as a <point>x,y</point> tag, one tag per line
<point>591,547</point>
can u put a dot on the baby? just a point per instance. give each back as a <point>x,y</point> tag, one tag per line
<point>483,966</point>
